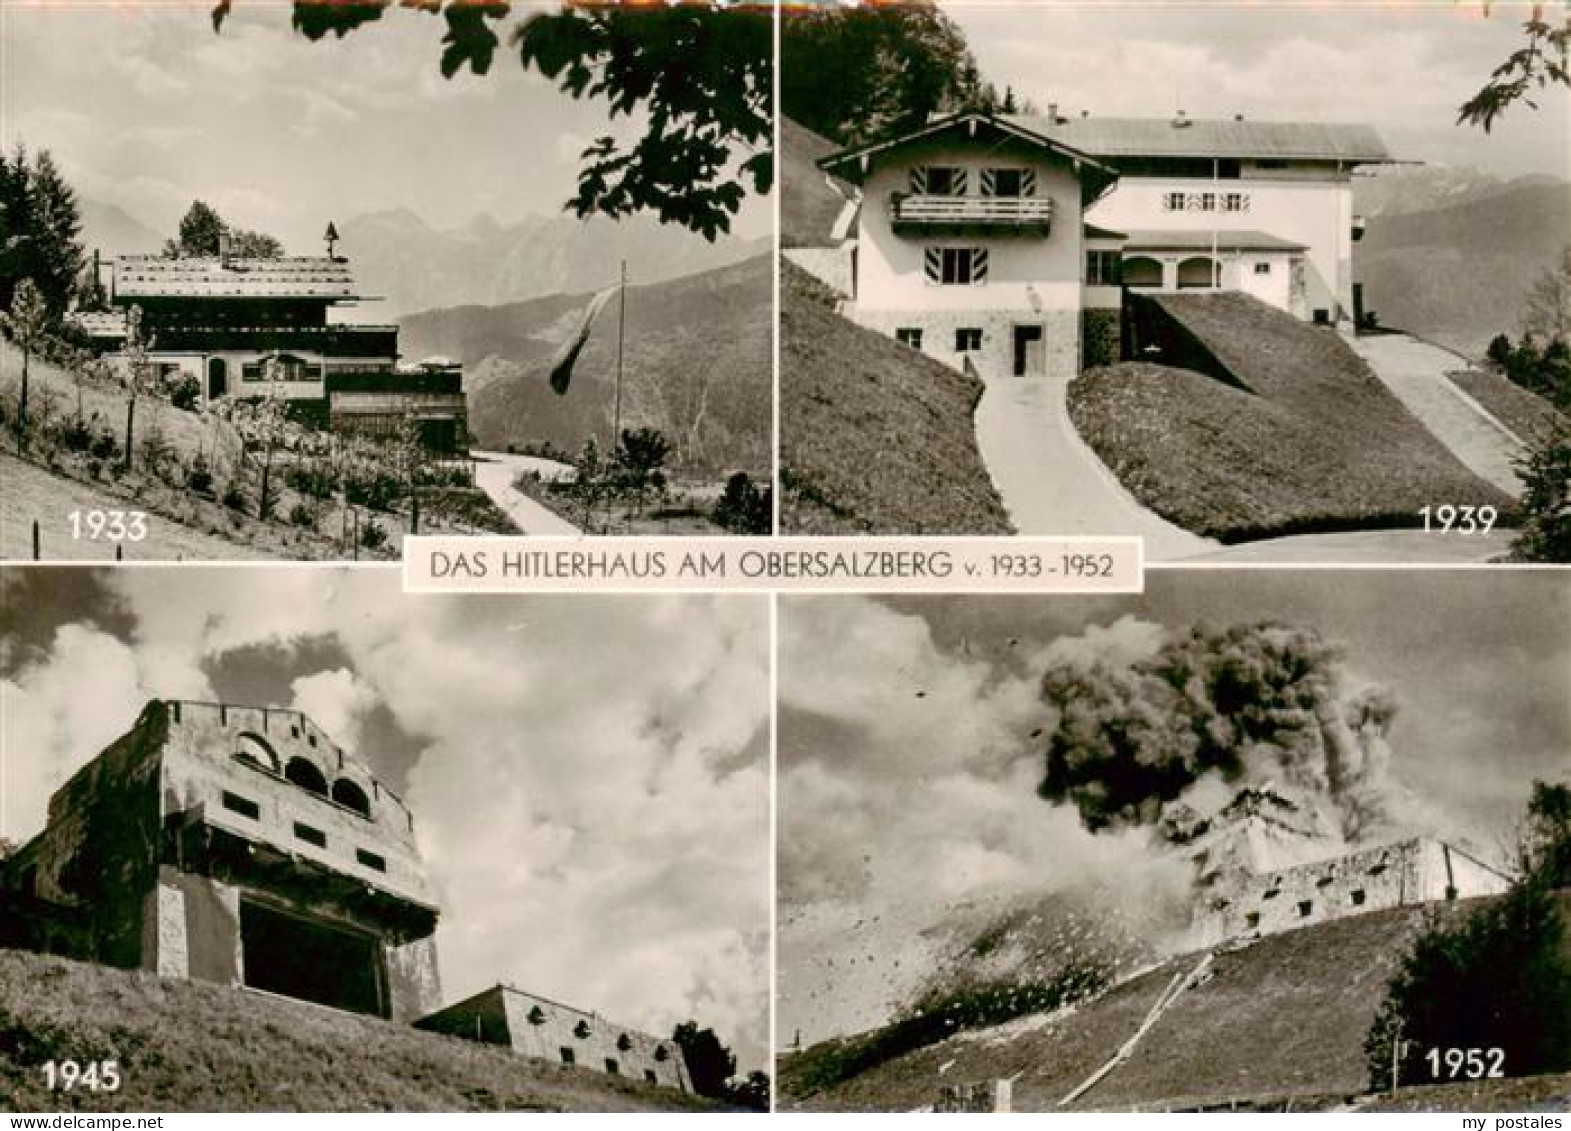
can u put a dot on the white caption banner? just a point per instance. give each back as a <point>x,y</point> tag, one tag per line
<point>787,565</point>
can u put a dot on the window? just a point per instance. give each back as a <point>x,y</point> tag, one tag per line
<point>968,339</point>
<point>310,835</point>
<point>909,336</point>
<point>1171,202</point>
<point>1270,163</point>
<point>1377,869</point>
<point>1235,202</point>
<point>1252,920</point>
<point>612,1066</point>
<point>1305,906</point>
<point>242,805</point>
<point>1272,894</point>
<point>536,1016</point>
<point>1262,268</point>
<point>371,860</point>
<point>1012,183</point>
<point>939,180</point>
<point>1356,898</point>
<point>568,1056</point>
<point>662,1053</point>
<point>253,750</point>
<point>581,1030</point>
<point>1104,268</point>
<point>650,1077</point>
<point>624,1042</point>
<point>956,266</point>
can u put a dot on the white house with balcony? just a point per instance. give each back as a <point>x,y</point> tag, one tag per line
<point>1008,241</point>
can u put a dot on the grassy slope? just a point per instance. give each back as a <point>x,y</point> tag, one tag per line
<point>184,524</point>
<point>191,1046</point>
<point>808,205</point>
<point>874,437</point>
<point>1523,411</point>
<point>1286,1016</point>
<point>706,330</point>
<point>1320,443</point>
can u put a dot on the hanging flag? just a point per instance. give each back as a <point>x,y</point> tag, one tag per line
<point>567,354</point>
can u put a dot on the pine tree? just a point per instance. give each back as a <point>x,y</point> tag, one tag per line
<point>39,230</point>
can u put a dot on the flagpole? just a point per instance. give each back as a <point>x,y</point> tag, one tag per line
<point>621,326</point>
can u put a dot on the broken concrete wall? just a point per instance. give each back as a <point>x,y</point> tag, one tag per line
<point>414,986</point>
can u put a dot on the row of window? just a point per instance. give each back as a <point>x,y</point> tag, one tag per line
<point>955,180</point>
<point>289,369</point>
<point>569,1057</point>
<point>306,834</point>
<point>967,266</point>
<point>1205,201</point>
<point>254,751</point>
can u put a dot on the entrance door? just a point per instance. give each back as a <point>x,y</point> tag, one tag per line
<point>1030,351</point>
<point>217,378</point>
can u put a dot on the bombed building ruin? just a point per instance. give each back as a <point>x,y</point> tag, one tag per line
<point>238,845</point>
<point>540,1027</point>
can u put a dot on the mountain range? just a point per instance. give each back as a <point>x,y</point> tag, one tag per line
<point>696,365</point>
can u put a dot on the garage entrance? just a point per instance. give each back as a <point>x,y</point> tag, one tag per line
<point>306,958</point>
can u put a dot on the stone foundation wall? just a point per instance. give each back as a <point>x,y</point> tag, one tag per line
<point>996,358</point>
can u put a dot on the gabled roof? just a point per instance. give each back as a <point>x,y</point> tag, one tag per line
<point>152,276</point>
<point>1203,240</point>
<point>850,163</point>
<point>1201,137</point>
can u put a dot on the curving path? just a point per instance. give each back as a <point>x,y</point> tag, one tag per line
<point>1052,483</point>
<point>1415,372</point>
<point>494,474</point>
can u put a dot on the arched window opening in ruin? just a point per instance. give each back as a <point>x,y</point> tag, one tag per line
<point>581,1030</point>
<point>306,776</point>
<point>537,1016</point>
<point>253,750</point>
<point>624,1042</point>
<point>351,796</point>
<point>1304,908</point>
<point>662,1053</point>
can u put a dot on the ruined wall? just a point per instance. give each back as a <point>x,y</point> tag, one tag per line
<point>1391,875</point>
<point>549,1030</point>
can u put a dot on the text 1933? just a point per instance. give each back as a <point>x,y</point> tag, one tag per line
<point>108,525</point>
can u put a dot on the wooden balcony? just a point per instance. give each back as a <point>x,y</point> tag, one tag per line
<point>995,215</point>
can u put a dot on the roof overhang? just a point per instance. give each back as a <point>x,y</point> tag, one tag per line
<point>853,164</point>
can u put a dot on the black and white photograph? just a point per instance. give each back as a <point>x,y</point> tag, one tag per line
<point>1252,841</point>
<point>1268,282</point>
<point>289,840</point>
<point>294,281</point>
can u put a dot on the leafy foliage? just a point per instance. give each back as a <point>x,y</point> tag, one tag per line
<point>640,457</point>
<point>39,231</point>
<point>1541,61</point>
<point>1549,302</point>
<point>202,232</point>
<point>702,73</point>
<point>1544,532</point>
<point>709,1063</point>
<point>744,509</point>
<point>1499,979</point>
<point>25,324</point>
<point>852,74</point>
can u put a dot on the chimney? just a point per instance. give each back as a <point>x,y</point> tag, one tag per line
<point>1180,121</point>
<point>1085,113</point>
<point>223,247</point>
<point>1052,114</point>
<point>1238,117</point>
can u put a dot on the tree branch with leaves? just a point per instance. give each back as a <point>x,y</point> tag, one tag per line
<point>1543,60</point>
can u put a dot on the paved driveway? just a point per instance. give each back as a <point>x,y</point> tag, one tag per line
<point>1052,483</point>
<point>1416,372</point>
<point>494,474</point>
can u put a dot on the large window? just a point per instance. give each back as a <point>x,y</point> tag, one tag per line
<point>956,266</point>
<point>1008,182</point>
<point>1103,268</point>
<point>968,339</point>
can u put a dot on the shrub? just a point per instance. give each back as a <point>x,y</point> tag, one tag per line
<point>373,535</point>
<point>200,479</point>
<point>185,393</point>
<point>311,478</point>
<point>744,509</point>
<point>234,498</point>
<point>1544,534</point>
<point>1499,350</point>
<point>76,436</point>
<point>303,515</point>
<point>104,446</point>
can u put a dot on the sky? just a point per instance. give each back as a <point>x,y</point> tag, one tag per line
<point>588,775</point>
<point>1402,65</point>
<point>145,108</point>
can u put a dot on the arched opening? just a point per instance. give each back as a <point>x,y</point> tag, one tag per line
<point>217,378</point>
<point>1199,272</point>
<point>1142,271</point>
<point>306,776</point>
<point>351,796</point>
<point>253,750</point>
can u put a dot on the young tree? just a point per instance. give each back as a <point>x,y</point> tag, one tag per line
<point>1549,302</point>
<point>137,374</point>
<point>246,244</point>
<point>701,73</point>
<point>640,458</point>
<point>26,323</point>
<point>709,1063</point>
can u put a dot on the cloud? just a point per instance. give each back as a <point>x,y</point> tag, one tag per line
<point>590,791</point>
